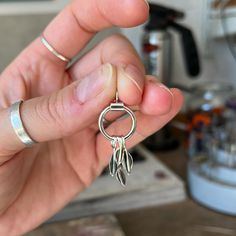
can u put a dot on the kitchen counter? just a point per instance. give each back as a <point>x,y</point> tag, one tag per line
<point>182,219</point>
<point>186,218</point>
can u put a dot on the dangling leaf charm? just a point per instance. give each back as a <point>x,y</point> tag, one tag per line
<point>121,160</point>
<point>113,165</point>
<point>120,154</point>
<point>120,175</point>
<point>113,162</point>
<point>128,161</point>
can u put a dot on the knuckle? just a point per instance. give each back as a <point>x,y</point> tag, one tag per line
<point>80,21</point>
<point>50,111</point>
<point>124,51</point>
<point>117,39</point>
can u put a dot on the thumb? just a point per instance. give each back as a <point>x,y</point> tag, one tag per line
<point>62,113</point>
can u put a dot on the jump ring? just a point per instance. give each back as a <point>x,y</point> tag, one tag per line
<point>117,107</point>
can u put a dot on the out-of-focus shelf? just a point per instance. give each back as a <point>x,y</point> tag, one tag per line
<point>33,7</point>
<point>229,16</point>
<point>217,3</point>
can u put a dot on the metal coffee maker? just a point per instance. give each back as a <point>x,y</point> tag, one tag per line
<point>157,47</point>
<point>157,43</point>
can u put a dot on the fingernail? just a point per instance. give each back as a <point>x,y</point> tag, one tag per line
<point>146,1</point>
<point>134,75</point>
<point>94,83</point>
<point>160,85</point>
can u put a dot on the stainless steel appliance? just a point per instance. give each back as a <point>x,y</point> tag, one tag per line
<point>157,43</point>
<point>157,47</point>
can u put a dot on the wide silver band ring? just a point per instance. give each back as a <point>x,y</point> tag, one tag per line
<point>117,107</point>
<point>18,126</point>
<point>53,50</point>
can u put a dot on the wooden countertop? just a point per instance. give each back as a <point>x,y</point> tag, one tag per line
<point>183,219</point>
<point>186,218</point>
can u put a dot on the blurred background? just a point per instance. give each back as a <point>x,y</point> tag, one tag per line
<point>184,178</point>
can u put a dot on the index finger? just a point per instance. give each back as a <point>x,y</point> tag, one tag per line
<point>69,32</point>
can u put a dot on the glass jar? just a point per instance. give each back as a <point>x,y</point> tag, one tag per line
<point>207,112</point>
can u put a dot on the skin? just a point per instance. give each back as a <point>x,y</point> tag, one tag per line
<point>37,182</point>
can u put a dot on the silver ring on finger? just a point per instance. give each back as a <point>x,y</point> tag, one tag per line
<point>17,124</point>
<point>53,50</point>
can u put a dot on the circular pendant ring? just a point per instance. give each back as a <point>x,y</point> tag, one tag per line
<point>117,107</point>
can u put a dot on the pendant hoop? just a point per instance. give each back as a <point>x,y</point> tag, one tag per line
<point>117,107</point>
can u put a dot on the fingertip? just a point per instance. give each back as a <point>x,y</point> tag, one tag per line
<point>139,10</point>
<point>177,92</point>
<point>134,12</point>
<point>130,84</point>
<point>178,97</point>
<point>157,98</point>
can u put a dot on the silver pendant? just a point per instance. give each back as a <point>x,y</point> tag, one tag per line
<point>121,162</point>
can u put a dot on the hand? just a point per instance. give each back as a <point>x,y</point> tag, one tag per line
<point>61,109</point>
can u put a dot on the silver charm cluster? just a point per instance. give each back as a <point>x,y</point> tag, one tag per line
<point>121,161</point>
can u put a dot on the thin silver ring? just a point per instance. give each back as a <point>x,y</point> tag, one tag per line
<point>53,50</point>
<point>18,126</point>
<point>116,107</point>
